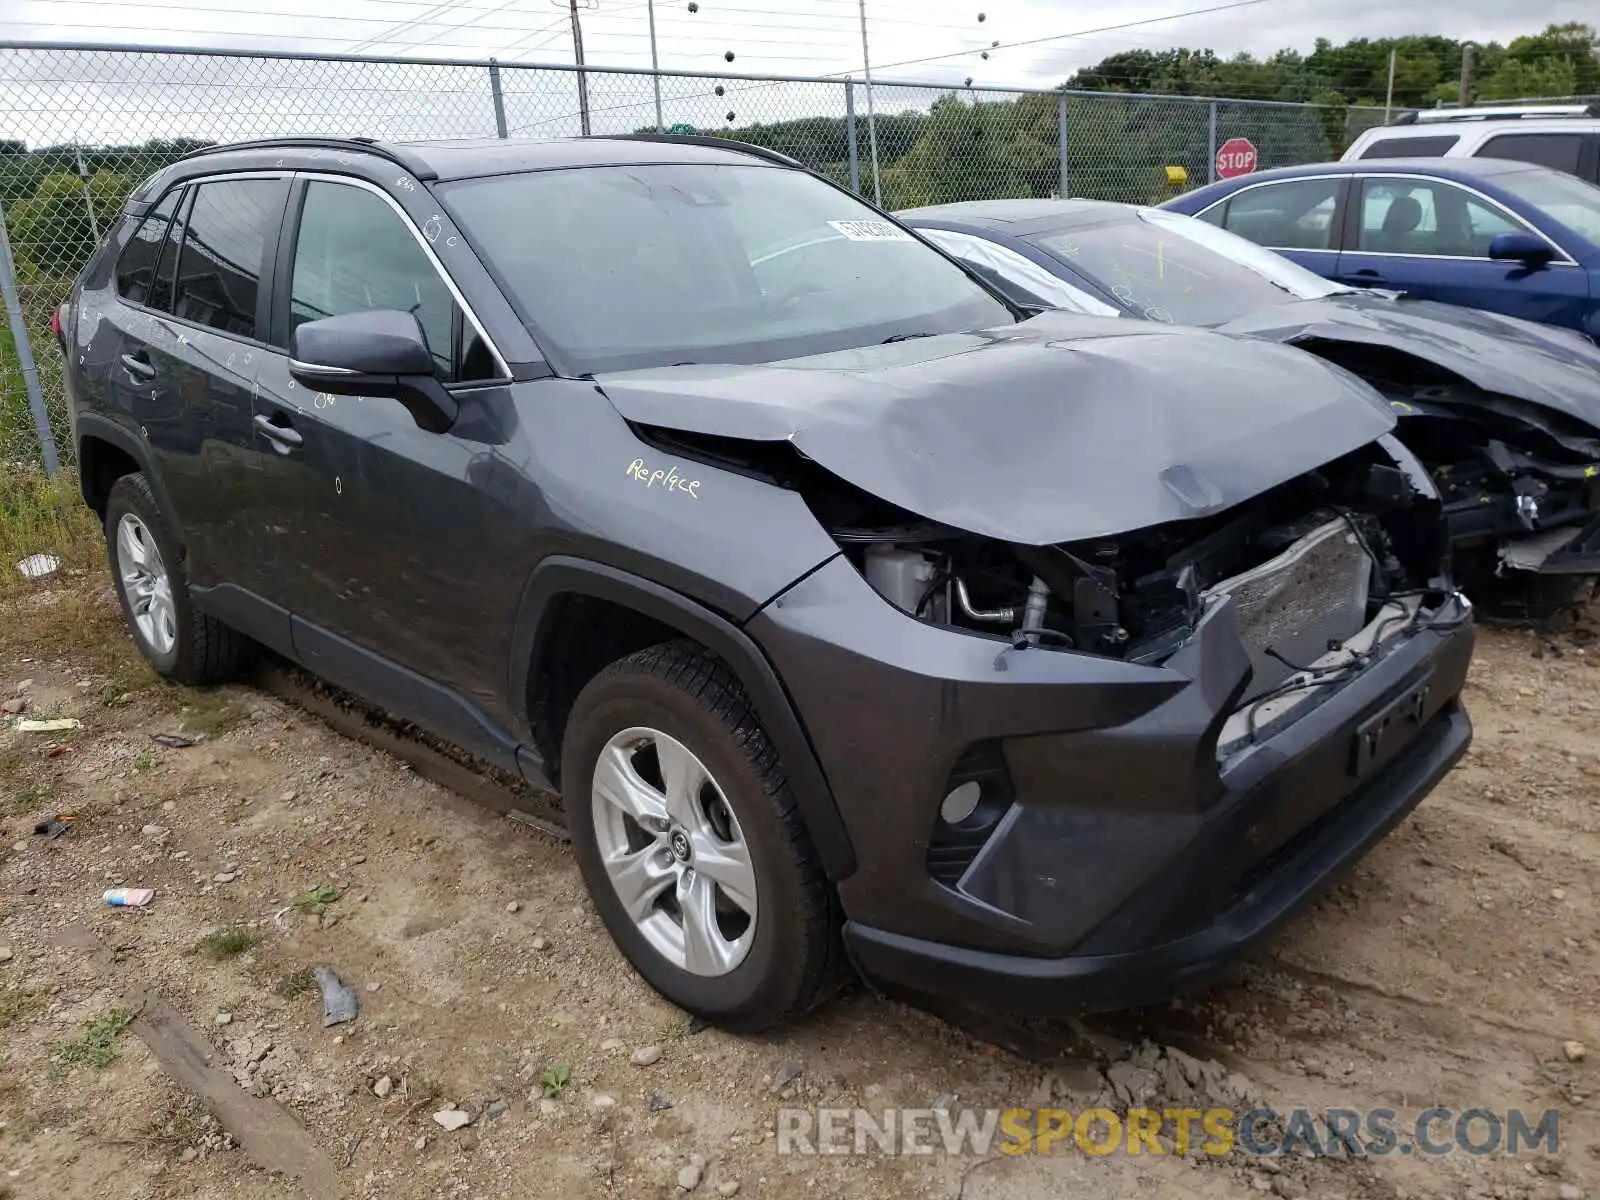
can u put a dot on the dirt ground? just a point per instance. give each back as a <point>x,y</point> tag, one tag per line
<point>1450,969</point>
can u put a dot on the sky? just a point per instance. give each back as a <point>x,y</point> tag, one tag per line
<point>795,37</point>
<point>55,97</point>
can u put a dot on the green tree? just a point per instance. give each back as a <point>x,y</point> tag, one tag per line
<point>53,230</point>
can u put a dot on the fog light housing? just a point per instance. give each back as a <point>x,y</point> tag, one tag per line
<point>976,795</point>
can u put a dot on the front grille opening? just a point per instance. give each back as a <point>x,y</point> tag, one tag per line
<point>965,821</point>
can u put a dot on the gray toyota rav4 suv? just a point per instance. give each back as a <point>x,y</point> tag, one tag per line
<point>1046,663</point>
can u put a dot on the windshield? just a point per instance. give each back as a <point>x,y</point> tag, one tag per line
<point>637,266</point>
<point>1172,268</point>
<point>1566,198</point>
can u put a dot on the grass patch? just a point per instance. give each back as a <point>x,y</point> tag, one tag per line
<point>97,1045</point>
<point>28,800</point>
<point>183,1123</point>
<point>144,760</point>
<point>297,983</point>
<point>206,714</point>
<point>16,1007</point>
<point>41,515</point>
<point>227,943</point>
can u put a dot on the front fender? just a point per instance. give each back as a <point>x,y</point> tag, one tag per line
<point>560,575</point>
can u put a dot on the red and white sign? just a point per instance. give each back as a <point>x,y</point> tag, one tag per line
<point>1236,157</point>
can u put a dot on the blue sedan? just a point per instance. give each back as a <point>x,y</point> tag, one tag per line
<point>1504,236</point>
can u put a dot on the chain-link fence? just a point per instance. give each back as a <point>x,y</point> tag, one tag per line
<point>83,125</point>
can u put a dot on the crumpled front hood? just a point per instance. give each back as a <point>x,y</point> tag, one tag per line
<point>1061,428</point>
<point>1540,364</point>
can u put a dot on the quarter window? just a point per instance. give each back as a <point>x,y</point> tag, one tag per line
<point>231,223</point>
<point>1558,151</point>
<point>136,269</point>
<point>1287,216</point>
<point>1411,147</point>
<point>355,254</point>
<point>1427,217</point>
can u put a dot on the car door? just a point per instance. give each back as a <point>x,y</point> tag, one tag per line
<point>373,514</point>
<point>189,355</point>
<point>1299,218</point>
<point>1430,238</point>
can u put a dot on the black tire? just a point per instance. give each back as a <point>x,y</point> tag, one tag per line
<point>205,650</point>
<point>795,958</point>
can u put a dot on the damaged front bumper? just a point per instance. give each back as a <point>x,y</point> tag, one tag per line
<point>1114,856</point>
<point>1565,551</point>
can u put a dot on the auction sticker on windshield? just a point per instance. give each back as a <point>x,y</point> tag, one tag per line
<point>872,231</point>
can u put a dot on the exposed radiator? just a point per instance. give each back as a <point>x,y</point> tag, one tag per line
<point>1312,594</point>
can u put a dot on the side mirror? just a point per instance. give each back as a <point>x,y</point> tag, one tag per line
<point>379,353</point>
<point>1525,248</point>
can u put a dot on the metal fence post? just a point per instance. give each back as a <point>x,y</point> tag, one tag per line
<point>1211,145</point>
<point>498,97</point>
<point>850,135</point>
<point>1061,141</point>
<point>19,340</point>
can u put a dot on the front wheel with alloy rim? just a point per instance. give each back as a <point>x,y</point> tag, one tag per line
<point>690,844</point>
<point>179,641</point>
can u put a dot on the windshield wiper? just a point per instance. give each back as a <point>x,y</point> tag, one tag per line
<point>905,337</point>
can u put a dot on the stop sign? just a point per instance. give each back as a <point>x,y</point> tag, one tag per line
<point>1237,156</point>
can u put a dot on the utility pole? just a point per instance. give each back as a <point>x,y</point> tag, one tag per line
<point>872,124</point>
<point>655,67</point>
<point>1388,96</point>
<point>1466,74</point>
<point>577,53</point>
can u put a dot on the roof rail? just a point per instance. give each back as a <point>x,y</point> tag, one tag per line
<point>394,154</point>
<point>1517,112</point>
<point>706,139</point>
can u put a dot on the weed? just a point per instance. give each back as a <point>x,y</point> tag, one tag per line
<point>207,713</point>
<point>226,943</point>
<point>38,798</point>
<point>143,760</point>
<point>297,983</point>
<point>17,1006</point>
<point>316,900</point>
<point>554,1080</point>
<point>97,1045</point>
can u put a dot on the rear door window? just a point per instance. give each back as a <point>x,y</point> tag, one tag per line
<point>231,224</point>
<point>1558,151</point>
<point>1297,215</point>
<point>1428,217</point>
<point>1412,147</point>
<point>136,269</point>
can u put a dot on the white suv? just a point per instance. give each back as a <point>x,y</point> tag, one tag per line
<point>1562,137</point>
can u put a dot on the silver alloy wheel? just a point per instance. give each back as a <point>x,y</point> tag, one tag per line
<point>146,584</point>
<point>674,852</point>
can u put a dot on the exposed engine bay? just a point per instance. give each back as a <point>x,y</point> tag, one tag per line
<point>1308,565</point>
<point>1519,482</point>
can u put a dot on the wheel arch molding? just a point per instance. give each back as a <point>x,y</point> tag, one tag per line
<point>562,576</point>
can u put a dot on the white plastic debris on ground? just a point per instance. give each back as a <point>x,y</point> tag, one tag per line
<point>37,566</point>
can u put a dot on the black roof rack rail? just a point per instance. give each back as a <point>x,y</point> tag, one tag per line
<point>1592,109</point>
<point>394,154</point>
<point>1409,117</point>
<point>718,143</point>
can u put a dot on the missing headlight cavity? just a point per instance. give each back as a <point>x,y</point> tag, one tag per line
<point>1307,565</point>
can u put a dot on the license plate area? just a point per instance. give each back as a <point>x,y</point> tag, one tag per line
<point>1393,725</point>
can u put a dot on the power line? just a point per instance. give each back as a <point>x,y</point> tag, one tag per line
<point>1060,37</point>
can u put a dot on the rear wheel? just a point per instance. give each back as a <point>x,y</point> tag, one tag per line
<point>180,642</point>
<point>690,844</point>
